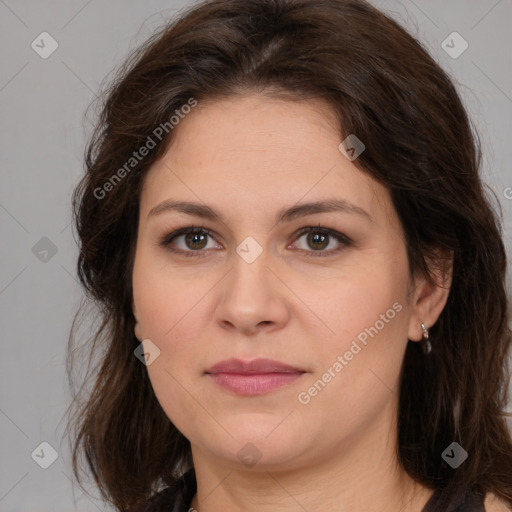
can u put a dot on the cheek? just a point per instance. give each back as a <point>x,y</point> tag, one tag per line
<point>169,315</point>
<point>357,375</point>
<point>162,301</point>
<point>174,322</point>
<point>359,360</point>
<point>364,300</point>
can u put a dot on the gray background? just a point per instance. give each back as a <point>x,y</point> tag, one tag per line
<point>42,104</point>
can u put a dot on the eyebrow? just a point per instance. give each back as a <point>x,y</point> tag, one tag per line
<point>283,215</point>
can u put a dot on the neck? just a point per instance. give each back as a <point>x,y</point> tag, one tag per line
<point>359,474</point>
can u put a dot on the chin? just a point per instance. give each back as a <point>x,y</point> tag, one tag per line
<point>256,443</point>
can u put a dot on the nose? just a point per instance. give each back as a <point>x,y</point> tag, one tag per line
<point>253,298</point>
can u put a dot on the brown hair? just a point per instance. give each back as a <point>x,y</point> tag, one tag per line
<point>420,144</point>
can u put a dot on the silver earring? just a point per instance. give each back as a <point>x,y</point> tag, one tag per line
<point>425,342</point>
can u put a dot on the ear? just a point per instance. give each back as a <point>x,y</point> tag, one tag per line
<point>137,329</point>
<point>429,300</point>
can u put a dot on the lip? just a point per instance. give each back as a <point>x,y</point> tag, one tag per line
<point>255,377</point>
<point>259,366</point>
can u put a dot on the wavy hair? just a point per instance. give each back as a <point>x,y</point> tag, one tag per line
<point>420,143</point>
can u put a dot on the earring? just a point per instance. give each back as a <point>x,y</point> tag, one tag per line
<point>425,342</point>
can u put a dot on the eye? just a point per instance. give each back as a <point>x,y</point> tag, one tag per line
<point>319,239</point>
<point>190,241</point>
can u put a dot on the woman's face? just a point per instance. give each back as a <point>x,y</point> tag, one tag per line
<point>336,311</point>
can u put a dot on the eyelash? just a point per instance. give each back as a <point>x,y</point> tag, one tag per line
<point>343,239</point>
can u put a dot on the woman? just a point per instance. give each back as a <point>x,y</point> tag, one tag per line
<point>300,277</point>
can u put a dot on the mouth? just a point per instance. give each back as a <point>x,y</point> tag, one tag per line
<point>256,377</point>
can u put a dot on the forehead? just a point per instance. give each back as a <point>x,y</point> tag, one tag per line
<point>256,152</point>
<point>256,126</point>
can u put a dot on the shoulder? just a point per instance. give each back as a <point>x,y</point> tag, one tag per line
<point>493,504</point>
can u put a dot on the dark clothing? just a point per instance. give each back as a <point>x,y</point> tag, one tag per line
<point>179,497</point>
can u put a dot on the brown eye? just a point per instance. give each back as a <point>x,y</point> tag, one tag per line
<point>195,241</point>
<point>318,239</point>
<point>191,241</point>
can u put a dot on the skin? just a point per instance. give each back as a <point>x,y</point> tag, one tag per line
<point>248,157</point>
